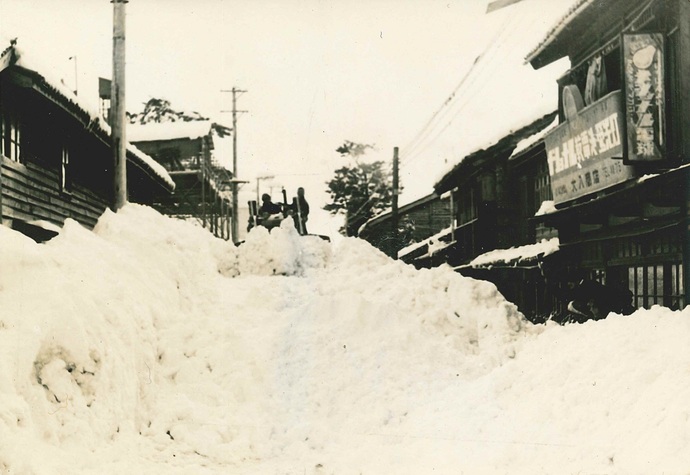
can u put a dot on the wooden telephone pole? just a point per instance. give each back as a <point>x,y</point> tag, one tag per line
<point>394,212</point>
<point>117,94</point>
<point>234,225</point>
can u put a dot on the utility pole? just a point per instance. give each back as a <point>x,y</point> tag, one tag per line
<point>394,213</point>
<point>118,136</point>
<point>235,208</point>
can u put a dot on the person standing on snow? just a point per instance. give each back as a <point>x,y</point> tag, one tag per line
<point>300,211</point>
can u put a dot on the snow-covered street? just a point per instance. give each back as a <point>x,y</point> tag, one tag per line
<point>148,346</point>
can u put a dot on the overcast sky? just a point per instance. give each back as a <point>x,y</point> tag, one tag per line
<point>317,72</point>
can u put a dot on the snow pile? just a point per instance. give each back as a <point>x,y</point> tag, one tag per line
<point>281,252</point>
<point>147,346</point>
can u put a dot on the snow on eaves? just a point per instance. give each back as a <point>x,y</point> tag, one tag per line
<point>515,255</point>
<point>551,35</point>
<point>527,143</point>
<point>33,64</point>
<point>151,131</point>
<point>502,94</point>
<point>435,243</point>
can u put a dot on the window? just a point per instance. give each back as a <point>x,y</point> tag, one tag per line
<point>660,284</point>
<point>65,175</point>
<point>10,137</point>
<point>467,207</point>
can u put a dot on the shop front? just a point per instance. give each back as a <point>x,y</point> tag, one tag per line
<point>618,161</point>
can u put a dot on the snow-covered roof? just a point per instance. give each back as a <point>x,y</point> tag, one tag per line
<point>500,94</point>
<point>527,143</point>
<point>153,131</point>
<point>505,144</point>
<point>96,123</point>
<point>516,255</point>
<point>435,243</point>
<point>560,25</point>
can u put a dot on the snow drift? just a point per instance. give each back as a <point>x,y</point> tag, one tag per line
<point>149,346</point>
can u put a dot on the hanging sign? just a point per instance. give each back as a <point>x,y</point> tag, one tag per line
<point>643,65</point>
<point>584,152</point>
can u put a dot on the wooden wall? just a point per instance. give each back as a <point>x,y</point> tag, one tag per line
<point>31,192</point>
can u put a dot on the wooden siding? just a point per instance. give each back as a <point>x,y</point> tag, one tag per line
<point>31,192</point>
<point>429,220</point>
<point>416,223</point>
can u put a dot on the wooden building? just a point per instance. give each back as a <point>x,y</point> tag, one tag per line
<point>202,186</point>
<point>417,221</point>
<point>523,269</point>
<point>484,194</point>
<point>618,162</point>
<point>495,193</point>
<point>55,155</point>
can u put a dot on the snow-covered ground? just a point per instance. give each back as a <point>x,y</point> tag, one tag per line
<point>149,347</point>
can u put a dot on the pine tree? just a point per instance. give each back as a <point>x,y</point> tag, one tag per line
<point>359,191</point>
<point>159,110</point>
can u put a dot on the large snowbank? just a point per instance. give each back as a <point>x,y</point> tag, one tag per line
<point>147,346</point>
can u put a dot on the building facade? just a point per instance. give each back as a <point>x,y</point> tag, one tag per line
<point>618,161</point>
<point>202,186</point>
<point>55,156</point>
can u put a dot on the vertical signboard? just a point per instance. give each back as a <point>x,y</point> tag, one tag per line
<point>584,152</point>
<point>643,66</point>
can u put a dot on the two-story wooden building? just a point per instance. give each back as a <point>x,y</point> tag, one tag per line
<point>484,190</point>
<point>618,161</point>
<point>202,185</point>
<point>55,154</point>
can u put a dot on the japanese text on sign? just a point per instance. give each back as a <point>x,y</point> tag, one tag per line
<point>583,153</point>
<point>644,80</point>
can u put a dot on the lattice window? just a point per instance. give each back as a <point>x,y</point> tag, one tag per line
<point>660,284</point>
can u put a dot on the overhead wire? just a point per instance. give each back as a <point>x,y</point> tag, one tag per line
<point>477,71</point>
<point>460,95</point>
<point>447,105</point>
<point>489,68</point>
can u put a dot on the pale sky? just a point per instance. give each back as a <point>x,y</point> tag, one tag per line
<point>317,72</point>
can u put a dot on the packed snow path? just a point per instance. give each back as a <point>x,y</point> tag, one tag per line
<point>147,346</point>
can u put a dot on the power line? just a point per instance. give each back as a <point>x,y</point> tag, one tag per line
<point>454,97</point>
<point>460,101</point>
<point>463,99</point>
<point>445,104</point>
